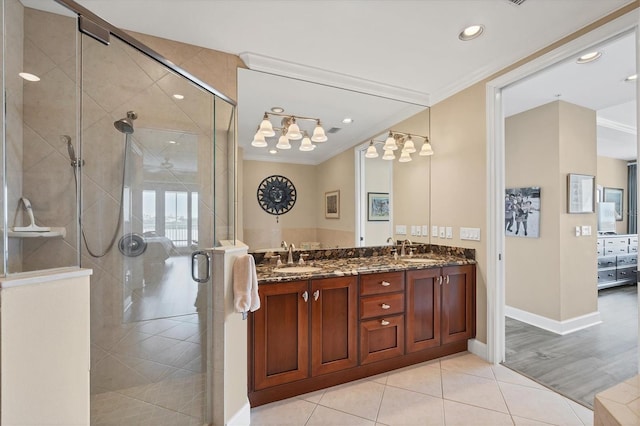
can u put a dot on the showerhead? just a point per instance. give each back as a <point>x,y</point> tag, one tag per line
<point>125,125</point>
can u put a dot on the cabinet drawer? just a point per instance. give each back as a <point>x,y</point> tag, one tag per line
<point>387,282</point>
<point>606,275</point>
<point>633,249</point>
<point>625,261</point>
<point>616,241</point>
<point>612,250</point>
<point>383,304</point>
<point>633,240</point>
<point>606,261</point>
<point>626,274</point>
<point>381,339</point>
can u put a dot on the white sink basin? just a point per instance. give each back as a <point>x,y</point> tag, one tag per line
<point>297,270</point>
<point>418,260</point>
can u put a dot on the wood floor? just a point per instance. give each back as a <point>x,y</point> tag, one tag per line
<point>585,362</point>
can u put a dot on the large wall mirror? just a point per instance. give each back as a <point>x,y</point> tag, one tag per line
<point>334,183</point>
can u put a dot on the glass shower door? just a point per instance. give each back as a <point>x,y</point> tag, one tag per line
<point>148,151</point>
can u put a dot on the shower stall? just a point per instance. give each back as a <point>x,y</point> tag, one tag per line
<point>125,163</point>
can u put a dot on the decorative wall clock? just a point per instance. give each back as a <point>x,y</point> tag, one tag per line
<point>276,195</point>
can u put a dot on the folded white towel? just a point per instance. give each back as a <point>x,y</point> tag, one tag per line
<point>245,284</point>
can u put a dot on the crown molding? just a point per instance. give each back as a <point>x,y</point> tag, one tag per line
<point>615,125</point>
<point>270,65</point>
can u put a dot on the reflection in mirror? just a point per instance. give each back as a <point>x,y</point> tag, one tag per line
<point>328,205</point>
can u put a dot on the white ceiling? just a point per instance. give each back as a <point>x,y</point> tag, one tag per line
<point>399,49</point>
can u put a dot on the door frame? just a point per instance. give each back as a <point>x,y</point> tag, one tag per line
<point>495,164</point>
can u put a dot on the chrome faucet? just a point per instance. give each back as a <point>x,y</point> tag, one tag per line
<point>390,240</point>
<point>404,243</point>
<point>290,258</point>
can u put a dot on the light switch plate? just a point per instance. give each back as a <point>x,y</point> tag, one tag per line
<point>413,230</point>
<point>586,230</point>
<point>441,232</point>
<point>577,231</point>
<point>401,229</point>
<point>449,231</point>
<point>425,231</point>
<point>472,234</point>
<point>434,231</point>
<point>418,233</point>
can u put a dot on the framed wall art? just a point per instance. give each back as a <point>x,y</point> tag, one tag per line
<point>580,193</point>
<point>332,205</point>
<point>378,206</point>
<point>615,196</point>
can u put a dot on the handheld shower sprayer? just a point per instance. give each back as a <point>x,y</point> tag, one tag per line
<point>75,162</point>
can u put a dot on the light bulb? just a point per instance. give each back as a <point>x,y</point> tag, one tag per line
<point>390,143</point>
<point>388,155</point>
<point>318,134</point>
<point>283,143</point>
<point>371,151</point>
<point>293,131</point>
<point>266,128</point>
<point>404,157</point>
<point>426,148</point>
<point>306,144</point>
<point>409,146</point>
<point>258,140</point>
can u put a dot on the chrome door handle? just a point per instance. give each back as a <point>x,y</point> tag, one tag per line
<point>305,296</point>
<point>316,294</point>
<point>195,266</point>
<point>447,279</point>
<point>440,280</point>
<point>385,283</point>
<point>385,306</point>
<point>384,322</point>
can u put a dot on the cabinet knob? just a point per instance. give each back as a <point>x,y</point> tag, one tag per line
<point>316,294</point>
<point>385,283</point>
<point>384,322</point>
<point>305,296</point>
<point>385,306</point>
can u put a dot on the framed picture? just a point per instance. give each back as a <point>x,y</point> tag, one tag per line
<point>378,203</point>
<point>522,212</point>
<point>332,205</point>
<point>580,193</point>
<point>614,195</point>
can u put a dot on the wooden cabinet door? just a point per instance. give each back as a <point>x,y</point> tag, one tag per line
<point>458,303</point>
<point>334,324</point>
<point>423,309</point>
<point>281,334</point>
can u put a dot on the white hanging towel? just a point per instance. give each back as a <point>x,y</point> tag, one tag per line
<point>245,284</point>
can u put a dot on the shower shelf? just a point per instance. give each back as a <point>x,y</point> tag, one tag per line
<point>53,233</point>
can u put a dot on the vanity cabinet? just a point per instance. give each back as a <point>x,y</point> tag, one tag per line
<point>304,328</point>
<point>440,306</point>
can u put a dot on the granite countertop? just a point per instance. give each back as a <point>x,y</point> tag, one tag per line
<point>270,273</point>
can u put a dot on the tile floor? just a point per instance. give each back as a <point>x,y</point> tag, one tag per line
<point>457,390</point>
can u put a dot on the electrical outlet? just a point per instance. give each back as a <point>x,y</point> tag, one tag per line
<point>441,232</point>
<point>449,231</point>
<point>425,231</point>
<point>434,231</point>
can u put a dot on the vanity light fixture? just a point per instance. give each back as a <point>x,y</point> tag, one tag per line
<point>28,76</point>
<point>589,57</point>
<point>471,32</point>
<point>399,140</point>
<point>290,130</point>
<point>633,77</point>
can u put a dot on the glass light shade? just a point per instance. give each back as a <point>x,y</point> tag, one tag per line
<point>306,144</point>
<point>266,128</point>
<point>318,134</point>
<point>426,149</point>
<point>390,143</point>
<point>293,131</point>
<point>283,143</point>
<point>371,152</point>
<point>388,155</point>
<point>258,140</point>
<point>404,157</point>
<point>409,146</point>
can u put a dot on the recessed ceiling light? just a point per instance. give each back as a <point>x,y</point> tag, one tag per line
<point>29,77</point>
<point>178,96</point>
<point>633,77</point>
<point>172,142</point>
<point>273,151</point>
<point>589,57</point>
<point>347,120</point>
<point>277,109</point>
<point>471,32</point>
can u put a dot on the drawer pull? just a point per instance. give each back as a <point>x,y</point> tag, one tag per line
<point>385,306</point>
<point>385,283</point>
<point>440,280</point>
<point>384,322</point>
<point>623,273</point>
<point>305,296</point>
<point>316,294</point>
<point>447,279</point>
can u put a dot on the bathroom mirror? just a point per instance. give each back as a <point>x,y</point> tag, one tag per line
<point>332,171</point>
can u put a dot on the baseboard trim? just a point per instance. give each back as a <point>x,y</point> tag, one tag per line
<point>242,417</point>
<point>478,348</point>
<point>558,327</point>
